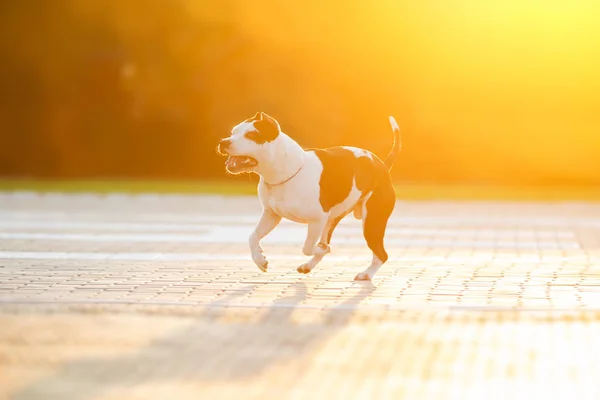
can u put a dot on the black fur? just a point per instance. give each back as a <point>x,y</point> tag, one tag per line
<point>340,168</point>
<point>255,118</point>
<point>379,208</point>
<point>267,129</point>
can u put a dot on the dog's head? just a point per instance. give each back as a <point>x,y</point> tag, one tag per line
<point>251,143</point>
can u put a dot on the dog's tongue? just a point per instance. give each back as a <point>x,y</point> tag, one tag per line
<point>234,161</point>
<point>230,162</point>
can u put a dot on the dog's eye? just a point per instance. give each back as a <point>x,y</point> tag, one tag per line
<point>253,135</point>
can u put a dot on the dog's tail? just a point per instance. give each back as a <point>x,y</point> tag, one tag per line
<point>389,160</point>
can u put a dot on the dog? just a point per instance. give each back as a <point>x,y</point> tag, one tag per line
<point>318,187</point>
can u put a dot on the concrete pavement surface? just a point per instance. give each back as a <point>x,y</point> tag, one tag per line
<point>152,297</point>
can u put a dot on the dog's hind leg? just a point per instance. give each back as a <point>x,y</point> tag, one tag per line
<point>376,212</point>
<point>315,230</point>
<point>322,248</point>
<point>358,210</point>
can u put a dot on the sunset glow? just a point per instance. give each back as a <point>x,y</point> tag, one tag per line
<point>484,91</point>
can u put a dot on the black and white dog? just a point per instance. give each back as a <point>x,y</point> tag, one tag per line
<point>317,187</point>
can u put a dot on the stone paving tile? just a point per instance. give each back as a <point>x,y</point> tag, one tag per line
<point>480,300</point>
<point>294,353</point>
<point>524,283</point>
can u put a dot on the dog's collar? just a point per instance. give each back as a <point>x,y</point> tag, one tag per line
<point>270,185</point>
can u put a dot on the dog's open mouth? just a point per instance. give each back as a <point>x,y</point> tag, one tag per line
<point>235,164</point>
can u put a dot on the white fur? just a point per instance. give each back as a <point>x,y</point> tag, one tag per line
<point>370,272</point>
<point>298,199</point>
<point>359,152</point>
<point>394,124</point>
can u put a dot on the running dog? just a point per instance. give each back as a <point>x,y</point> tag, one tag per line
<point>318,187</point>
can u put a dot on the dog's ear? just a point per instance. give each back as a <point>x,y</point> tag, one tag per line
<point>266,117</point>
<point>267,126</point>
<point>257,117</point>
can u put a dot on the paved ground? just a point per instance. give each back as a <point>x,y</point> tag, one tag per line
<point>153,297</point>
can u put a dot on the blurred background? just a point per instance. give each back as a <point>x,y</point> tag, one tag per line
<point>503,93</point>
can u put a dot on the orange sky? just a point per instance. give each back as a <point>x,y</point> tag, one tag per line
<point>517,81</point>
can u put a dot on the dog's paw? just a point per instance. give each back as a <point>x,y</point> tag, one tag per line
<point>304,268</point>
<point>362,276</point>
<point>261,262</point>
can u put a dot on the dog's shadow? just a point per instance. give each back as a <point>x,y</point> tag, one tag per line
<point>209,349</point>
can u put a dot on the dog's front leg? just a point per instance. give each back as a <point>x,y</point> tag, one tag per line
<point>268,221</point>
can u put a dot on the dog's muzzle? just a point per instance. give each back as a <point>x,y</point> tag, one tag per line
<point>224,146</point>
<point>235,164</point>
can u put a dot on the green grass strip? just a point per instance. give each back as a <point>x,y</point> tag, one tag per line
<point>237,187</point>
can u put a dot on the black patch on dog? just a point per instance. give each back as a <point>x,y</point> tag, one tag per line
<point>379,207</point>
<point>255,136</point>
<point>267,129</point>
<point>335,223</point>
<point>255,118</point>
<point>340,167</point>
